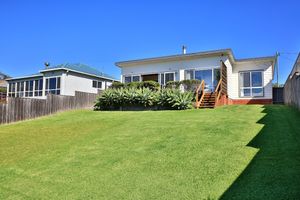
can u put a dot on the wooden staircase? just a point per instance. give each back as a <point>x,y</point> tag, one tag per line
<point>209,100</point>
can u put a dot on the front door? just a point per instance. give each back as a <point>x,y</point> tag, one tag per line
<point>207,76</point>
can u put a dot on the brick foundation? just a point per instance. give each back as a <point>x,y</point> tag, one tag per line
<point>249,101</point>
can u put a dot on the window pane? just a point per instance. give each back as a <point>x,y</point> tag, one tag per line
<point>257,92</point>
<point>58,82</point>
<point>127,79</point>
<point>217,76</point>
<point>41,84</point>
<point>169,77</point>
<point>27,85</point>
<point>31,85</point>
<point>136,78</point>
<point>99,84</point>
<point>18,86</point>
<point>94,84</point>
<point>52,84</point>
<point>189,74</point>
<point>245,79</point>
<point>36,84</point>
<point>22,86</point>
<point>245,93</point>
<point>256,78</point>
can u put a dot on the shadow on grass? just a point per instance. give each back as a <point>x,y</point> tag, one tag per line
<point>274,173</point>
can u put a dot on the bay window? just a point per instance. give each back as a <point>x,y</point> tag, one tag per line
<point>251,84</point>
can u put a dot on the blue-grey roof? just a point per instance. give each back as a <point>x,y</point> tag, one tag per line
<point>78,67</point>
<point>25,77</point>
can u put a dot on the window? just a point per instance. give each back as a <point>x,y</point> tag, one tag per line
<point>94,84</point>
<point>97,84</point>
<point>20,89</point>
<point>166,77</point>
<point>12,89</point>
<point>189,74</point>
<point>134,78</point>
<point>169,77</point>
<point>53,85</point>
<point>127,79</point>
<point>29,88</point>
<point>251,84</point>
<point>38,87</point>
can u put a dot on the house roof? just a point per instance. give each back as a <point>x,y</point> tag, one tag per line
<point>79,68</point>
<point>25,77</point>
<point>4,75</point>
<point>296,67</point>
<point>179,57</point>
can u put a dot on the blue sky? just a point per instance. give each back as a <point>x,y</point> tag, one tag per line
<point>100,33</point>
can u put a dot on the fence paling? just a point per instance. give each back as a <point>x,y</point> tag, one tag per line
<point>17,109</point>
<point>292,92</point>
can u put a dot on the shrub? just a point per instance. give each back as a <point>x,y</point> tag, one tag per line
<point>122,98</point>
<point>152,85</point>
<point>3,90</point>
<point>173,84</point>
<point>116,85</point>
<point>171,99</point>
<point>190,85</point>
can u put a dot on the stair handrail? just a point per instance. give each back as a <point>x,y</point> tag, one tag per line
<point>218,91</point>
<point>200,87</point>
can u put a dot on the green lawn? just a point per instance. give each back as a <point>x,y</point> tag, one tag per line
<point>243,152</point>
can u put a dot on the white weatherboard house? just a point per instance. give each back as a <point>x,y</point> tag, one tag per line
<point>62,79</point>
<point>244,81</point>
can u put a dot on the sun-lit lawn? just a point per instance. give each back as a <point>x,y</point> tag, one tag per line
<point>230,152</point>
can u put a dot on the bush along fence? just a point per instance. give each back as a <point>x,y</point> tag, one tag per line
<point>17,109</point>
<point>144,99</point>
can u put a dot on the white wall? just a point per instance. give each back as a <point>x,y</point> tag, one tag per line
<point>177,66</point>
<point>233,78</point>
<point>72,82</point>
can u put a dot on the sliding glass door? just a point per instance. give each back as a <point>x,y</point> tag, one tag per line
<point>207,76</point>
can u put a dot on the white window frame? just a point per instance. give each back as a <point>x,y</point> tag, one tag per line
<point>251,87</point>
<point>97,84</point>
<point>48,90</point>
<point>164,74</point>
<point>131,77</point>
<point>38,89</point>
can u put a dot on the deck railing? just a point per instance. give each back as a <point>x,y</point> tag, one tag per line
<point>200,91</point>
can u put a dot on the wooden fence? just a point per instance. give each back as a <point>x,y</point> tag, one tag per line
<point>291,92</point>
<point>2,97</point>
<point>17,109</point>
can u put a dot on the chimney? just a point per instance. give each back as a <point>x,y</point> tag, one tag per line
<point>47,64</point>
<point>183,49</point>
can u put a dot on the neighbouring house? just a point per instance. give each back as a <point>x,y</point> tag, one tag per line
<point>3,82</point>
<point>62,79</point>
<point>291,90</point>
<point>3,86</point>
<point>227,80</point>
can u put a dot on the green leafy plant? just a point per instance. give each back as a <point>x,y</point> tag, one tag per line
<point>190,85</point>
<point>122,98</point>
<point>173,84</point>
<point>116,85</point>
